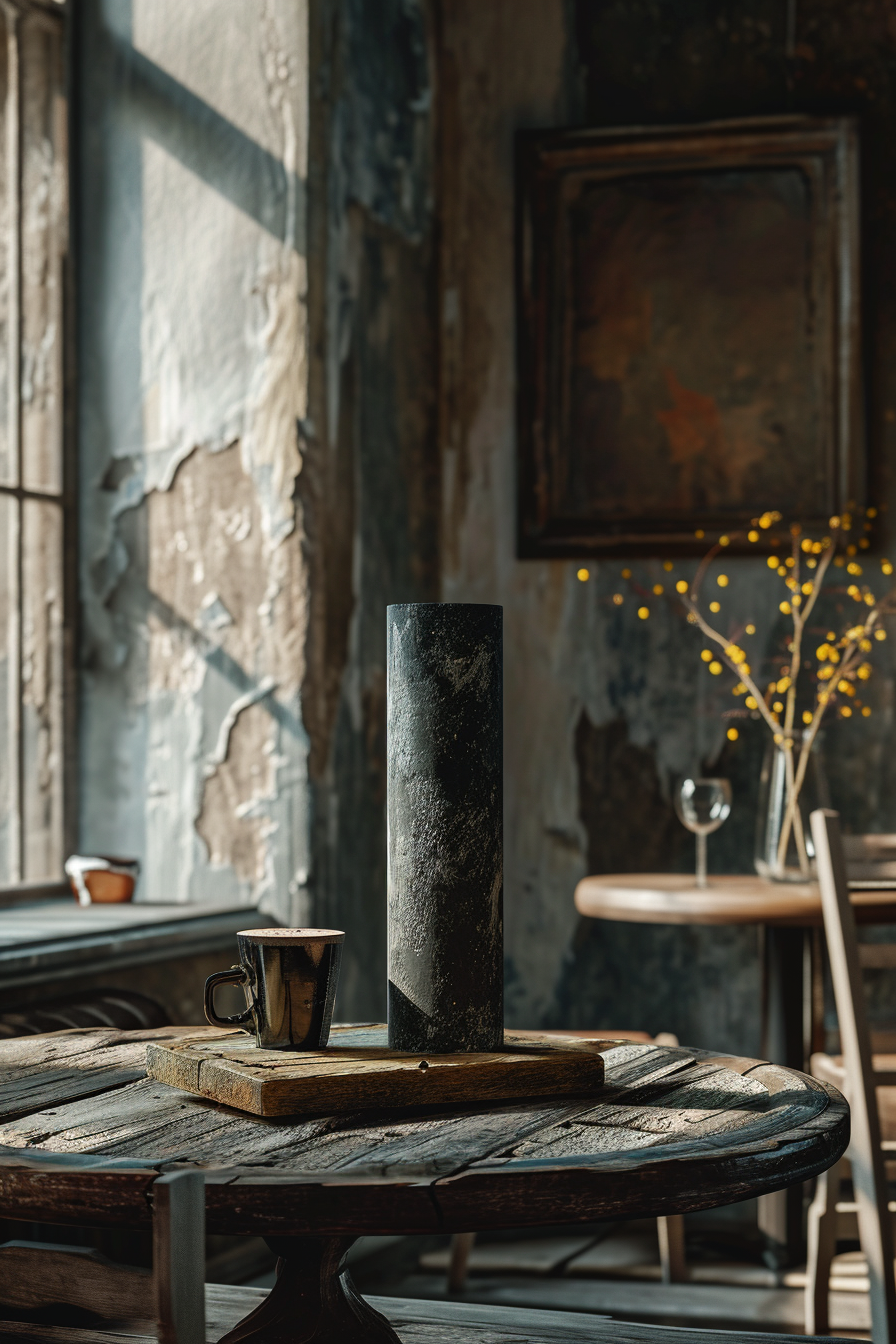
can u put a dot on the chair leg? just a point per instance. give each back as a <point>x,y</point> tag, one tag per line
<point>178,1256</point>
<point>672,1258</point>
<point>461,1245</point>
<point>821,1244</point>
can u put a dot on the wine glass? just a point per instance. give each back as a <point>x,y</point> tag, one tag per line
<point>702,805</point>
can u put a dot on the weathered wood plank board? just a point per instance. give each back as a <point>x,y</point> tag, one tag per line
<point>357,1072</point>
<point>418,1322</point>
<point>40,1071</point>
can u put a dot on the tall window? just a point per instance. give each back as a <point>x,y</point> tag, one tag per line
<point>36,570</point>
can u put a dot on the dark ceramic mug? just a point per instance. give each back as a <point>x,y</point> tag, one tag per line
<point>289,977</point>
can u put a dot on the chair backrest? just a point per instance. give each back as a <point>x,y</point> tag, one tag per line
<point>866,1157</point>
<point>35,1275</point>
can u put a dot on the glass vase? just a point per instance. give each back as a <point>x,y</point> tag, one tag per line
<point>798,864</point>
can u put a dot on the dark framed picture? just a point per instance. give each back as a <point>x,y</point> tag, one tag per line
<point>688,332</point>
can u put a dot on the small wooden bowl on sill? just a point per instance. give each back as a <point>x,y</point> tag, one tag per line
<point>101,879</point>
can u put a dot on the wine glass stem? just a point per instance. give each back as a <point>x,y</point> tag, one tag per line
<point>701,860</point>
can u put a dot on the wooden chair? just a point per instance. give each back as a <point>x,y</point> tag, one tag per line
<point>36,1277</point>
<point>857,1075</point>
<point>670,1230</point>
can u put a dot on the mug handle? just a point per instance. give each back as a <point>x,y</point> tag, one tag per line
<point>235,976</point>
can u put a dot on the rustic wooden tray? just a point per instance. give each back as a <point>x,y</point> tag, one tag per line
<point>357,1072</point>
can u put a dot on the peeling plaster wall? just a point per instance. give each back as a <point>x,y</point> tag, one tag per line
<point>370,490</point>
<point>193,385</point>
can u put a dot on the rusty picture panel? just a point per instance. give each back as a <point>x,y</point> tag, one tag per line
<point>688,352</point>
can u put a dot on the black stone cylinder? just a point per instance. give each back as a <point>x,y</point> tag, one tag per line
<point>446,835</point>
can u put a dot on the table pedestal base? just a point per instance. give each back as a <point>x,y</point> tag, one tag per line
<point>311,1302</point>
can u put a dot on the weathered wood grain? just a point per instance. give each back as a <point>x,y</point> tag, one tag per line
<point>670,1129</point>
<point>38,1274</point>
<point>353,1073</point>
<point>430,1323</point>
<point>39,1071</point>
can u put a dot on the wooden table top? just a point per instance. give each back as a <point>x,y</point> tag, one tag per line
<point>84,1133</point>
<point>672,898</point>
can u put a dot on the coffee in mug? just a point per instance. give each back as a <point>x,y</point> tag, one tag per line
<point>289,977</point>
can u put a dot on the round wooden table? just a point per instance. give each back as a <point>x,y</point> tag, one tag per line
<point>672,898</point>
<point>84,1134</point>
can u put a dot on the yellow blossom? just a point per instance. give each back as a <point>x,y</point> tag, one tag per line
<point>715,606</point>
<point>707,655</point>
<point>807,588</point>
<point>823,652</point>
<point>582,575</point>
<point>866,711</point>
<point>783,685</point>
<point>736,654</point>
<point>863,671</point>
<point>824,673</point>
<point>880,634</point>
<point>839,561</point>
<point>806,544</point>
<point>724,541</point>
<point>807,716</point>
<point>681,586</point>
<point>667,566</point>
<point>845,712</point>
<point>739,689</point>
<point>845,687</point>
<point>766,520</point>
<point>782,571</point>
<point>777,707</point>
<point>790,562</point>
<point>715,667</point>
<point>626,573</point>
<point>810,564</point>
<point>750,629</point>
<point>750,702</point>
<point>853,567</point>
<point>746,669</point>
<point>864,543</point>
<point>834,523</point>
<point>784,607</point>
<point>870,599</point>
<point>773,562</point>
<point>854,592</point>
<point>865,645</point>
<point>732,734</point>
<point>699,534</point>
<point>871,513</point>
<point>617,599</point>
<point>886,566</point>
<point>643,612</point>
<point>658,589</point>
<point>752,535</point>
<point>722,580</point>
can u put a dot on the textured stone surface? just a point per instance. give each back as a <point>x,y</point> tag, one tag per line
<point>445,817</point>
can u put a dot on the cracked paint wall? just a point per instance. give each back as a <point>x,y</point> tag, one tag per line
<point>264,470</point>
<point>193,384</point>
